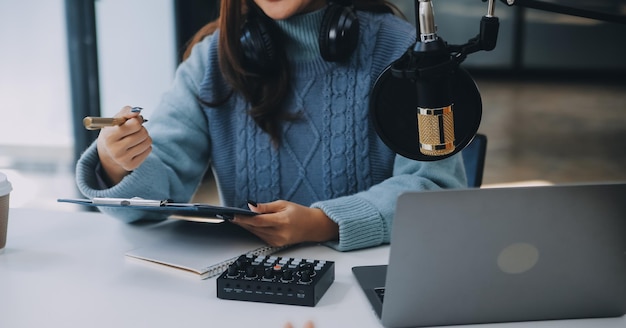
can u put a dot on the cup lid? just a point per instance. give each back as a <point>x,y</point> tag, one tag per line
<point>5,185</point>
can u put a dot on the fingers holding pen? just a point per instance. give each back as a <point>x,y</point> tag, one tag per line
<point>129,112</point>
<point>134,112</point>
<point>129,150</point>
<point>130,118</point>
<point>127,123</point>
<point>122,147</point>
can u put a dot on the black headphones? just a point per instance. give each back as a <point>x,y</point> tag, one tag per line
<point>261,39</point>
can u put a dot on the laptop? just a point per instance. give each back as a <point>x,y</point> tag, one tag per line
<point>500,255</point>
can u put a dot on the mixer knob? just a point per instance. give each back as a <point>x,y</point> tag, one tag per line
<point>233,270</point>
<point>287,274</point>
<point>306,266</point>
<point>305,276</point>
<point>250,271</point>
<point>242,262</point>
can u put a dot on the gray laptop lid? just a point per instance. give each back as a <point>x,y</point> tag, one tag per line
<point>514,254</point>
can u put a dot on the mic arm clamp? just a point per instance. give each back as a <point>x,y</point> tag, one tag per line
<point>414,63</point>
<point>486,39</point>
<point>411,65</point>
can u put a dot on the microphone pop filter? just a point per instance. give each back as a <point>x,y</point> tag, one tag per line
<point>393,110</point>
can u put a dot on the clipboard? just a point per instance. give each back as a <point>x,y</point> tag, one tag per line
<point>188,211</point>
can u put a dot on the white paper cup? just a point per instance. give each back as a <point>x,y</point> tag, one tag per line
<point>5,190</point>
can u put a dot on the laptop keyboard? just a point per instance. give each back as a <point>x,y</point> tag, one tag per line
<point>380,292</point>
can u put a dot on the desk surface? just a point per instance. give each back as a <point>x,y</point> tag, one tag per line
<point>68,269</point>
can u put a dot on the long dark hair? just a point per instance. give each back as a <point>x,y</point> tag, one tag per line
<point>265,94</point>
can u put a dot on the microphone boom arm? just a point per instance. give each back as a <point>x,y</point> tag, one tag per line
<point>571,11</point>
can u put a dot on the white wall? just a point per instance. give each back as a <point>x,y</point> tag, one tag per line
<point>137,46</point>
<point>34,94</point>
<point>137,58</point>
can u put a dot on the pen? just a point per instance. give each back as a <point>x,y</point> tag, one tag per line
<point>95,123</point>
<point>135,201</point>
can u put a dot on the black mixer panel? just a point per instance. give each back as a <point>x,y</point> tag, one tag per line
<point>273,279</point>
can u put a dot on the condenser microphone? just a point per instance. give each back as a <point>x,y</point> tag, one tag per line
<point>435,117</point>
<point>424,106</point>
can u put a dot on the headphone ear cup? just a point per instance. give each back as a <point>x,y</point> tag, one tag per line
<point>339,33</point>
<point>258,46</point>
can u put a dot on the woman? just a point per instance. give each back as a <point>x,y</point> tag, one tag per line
<point>276,105</point>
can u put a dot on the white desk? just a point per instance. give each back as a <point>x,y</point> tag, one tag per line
<point>68,269</point>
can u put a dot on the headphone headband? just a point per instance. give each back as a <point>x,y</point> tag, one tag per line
<point>261,38</point>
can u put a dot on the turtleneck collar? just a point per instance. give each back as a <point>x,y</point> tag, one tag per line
<point>301,33</point>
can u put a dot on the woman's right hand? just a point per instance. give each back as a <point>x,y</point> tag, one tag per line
<point>123,148</point>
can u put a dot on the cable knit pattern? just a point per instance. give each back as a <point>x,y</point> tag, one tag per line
<point>330,158</point>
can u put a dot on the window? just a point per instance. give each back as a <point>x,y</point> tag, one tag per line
<point>137,58</point>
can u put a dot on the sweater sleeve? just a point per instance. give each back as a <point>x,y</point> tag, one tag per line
<point>180,147</point>
<point>365,219</point>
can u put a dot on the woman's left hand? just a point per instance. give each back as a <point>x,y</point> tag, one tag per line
<point>283,223</point>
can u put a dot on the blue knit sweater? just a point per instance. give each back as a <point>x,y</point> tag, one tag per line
<point>330,159</point>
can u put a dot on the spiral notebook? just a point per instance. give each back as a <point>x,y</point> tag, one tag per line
<point>204,250</point>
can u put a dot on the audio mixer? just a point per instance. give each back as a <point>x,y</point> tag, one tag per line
<point>273,279</point>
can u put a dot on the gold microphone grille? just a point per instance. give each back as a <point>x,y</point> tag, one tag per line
<point>430,123</point>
